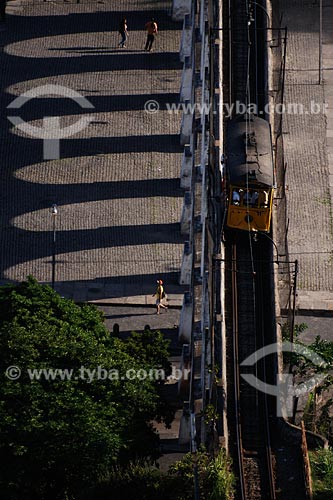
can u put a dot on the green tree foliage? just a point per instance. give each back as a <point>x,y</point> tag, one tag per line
<point>151,347</point>
<point>59,436</point>
<point>322,473</point>
<point>212,476</point>
<point>316,418</point>
<point>133,482</point>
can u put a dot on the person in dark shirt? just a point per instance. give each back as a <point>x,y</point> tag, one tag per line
<point>123,31</point>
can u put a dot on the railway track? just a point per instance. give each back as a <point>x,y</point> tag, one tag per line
<point>251,409</point>
<point>248,412</point>
<point>249,307</point>
<point>239,50</point>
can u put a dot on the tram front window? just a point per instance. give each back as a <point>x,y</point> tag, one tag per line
<point>254,199</point>
<point>247,197</point>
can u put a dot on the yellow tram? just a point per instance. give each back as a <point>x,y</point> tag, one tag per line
<point>250,173</point>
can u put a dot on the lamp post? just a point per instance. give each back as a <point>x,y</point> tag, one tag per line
<point>275,246</point>
<point>262,7</point>
<point>54,212</point>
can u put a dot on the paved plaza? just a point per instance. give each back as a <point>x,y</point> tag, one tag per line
<point>116,183</point>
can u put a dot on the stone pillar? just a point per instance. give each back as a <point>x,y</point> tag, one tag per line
<point>185,322</point>
<point>186,267</point>
<point>186,169</point>
<point>186,217</point>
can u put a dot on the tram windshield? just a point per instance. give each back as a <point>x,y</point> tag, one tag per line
<point>250,198</point>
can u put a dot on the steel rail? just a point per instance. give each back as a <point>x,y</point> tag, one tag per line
<point>236,372</point>
<point>250,405</point>
<point>261,319</point>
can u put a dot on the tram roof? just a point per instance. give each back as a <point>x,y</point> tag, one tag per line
<point>249,151</point>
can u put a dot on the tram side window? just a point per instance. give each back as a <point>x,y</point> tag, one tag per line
<point>264,199</point>
<point>236,197</point>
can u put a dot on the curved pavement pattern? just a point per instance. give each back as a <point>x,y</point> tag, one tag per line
<point>116,182</point>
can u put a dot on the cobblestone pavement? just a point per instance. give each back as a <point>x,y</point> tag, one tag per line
<point>309,174</point>
<point>116,183</point>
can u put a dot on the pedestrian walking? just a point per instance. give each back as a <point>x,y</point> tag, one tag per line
<point>123,32</point>
<point>151,28</point>
<point>160,295</point>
